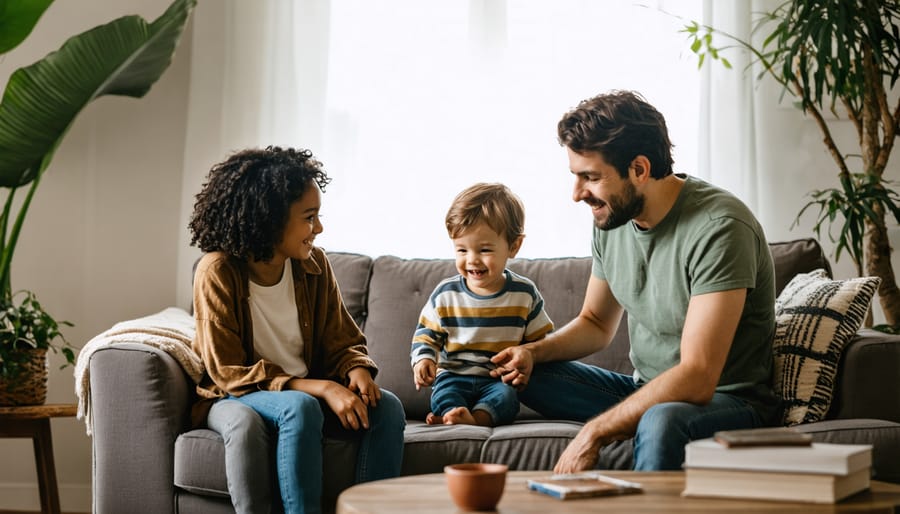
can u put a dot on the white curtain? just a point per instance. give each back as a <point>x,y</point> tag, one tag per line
<point>753,140</point>
<point>727,119</point>
<point>406,102</point>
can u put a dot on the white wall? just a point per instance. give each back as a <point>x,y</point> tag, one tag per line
<point>105,242</point>
<point>100,241</point>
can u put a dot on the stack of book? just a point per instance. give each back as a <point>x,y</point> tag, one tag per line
<point>775,464</point>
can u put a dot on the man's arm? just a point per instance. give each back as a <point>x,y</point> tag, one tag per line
<point>708,333</point>
<point>592,330</point>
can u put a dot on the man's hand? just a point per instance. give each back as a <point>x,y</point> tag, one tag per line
<point>424,372</point>
<point>361,383</point>
<point>581,454</point>
<point>514,366</point>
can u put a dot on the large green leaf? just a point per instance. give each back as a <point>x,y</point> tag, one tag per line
<point>17,19</point>
<point>124,57</point>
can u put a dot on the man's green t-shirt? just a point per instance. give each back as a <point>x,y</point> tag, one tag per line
<point>708,242</point>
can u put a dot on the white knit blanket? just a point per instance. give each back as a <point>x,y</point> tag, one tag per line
<point>170,330</point>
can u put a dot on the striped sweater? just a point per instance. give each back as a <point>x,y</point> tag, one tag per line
<point>461,331</point>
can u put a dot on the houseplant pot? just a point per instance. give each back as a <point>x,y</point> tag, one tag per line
<point>27,331</point>
<point>30,388</point>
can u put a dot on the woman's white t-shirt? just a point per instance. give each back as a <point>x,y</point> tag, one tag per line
<point>276,324</point>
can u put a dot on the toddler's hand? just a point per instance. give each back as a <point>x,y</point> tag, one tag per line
<point>424,372</point>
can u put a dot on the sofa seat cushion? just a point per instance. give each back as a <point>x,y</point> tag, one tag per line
<point>200,464</point>
<point>428,448</point>
<point>526,445</point>
<point>537,445</point>
<point>529,445</point>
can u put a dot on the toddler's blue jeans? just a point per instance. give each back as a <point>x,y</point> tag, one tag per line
<point>475,393</point>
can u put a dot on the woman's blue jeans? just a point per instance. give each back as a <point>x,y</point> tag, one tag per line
<point>299,422</point>
<point>579,392</point>
<point>474,392</point>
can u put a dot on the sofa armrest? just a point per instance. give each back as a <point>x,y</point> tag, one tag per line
<point>866,385</point>
<point>140,403</point>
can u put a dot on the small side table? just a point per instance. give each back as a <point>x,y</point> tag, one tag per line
<point>34,421</point>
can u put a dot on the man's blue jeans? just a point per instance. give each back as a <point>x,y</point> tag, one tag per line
<point>475,393</point>
<point>579,392</point>
<point>299,421</point>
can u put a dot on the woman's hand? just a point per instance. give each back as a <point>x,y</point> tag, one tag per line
<point>362,384</point>
<point>349,408</point>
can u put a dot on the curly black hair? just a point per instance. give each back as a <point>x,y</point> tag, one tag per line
<point>245,203</point>
<point>620,125</point>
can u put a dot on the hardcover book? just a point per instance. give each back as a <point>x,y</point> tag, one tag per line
<point>774,436</point>
<point>769,485</point>
<point>582,485</point>
<point>825,458</point>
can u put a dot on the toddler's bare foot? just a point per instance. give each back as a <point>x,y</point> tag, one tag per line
<point>459,416</point>
<point>431,419</point>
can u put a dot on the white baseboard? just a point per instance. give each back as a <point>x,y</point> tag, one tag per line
<point>25,496</point>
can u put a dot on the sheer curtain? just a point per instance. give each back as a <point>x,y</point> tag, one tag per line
<point>406,102</point>
<point>727,120</point>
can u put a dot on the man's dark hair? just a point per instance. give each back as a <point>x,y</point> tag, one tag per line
<point>244,205</point>
<point>619,125</point>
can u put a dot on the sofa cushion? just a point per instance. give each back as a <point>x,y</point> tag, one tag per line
<point>200,464</point>
<point>815,317</point>
<point>428,448</point>
<point>798,256</point>
<point>528,445</point>
<point>398,289</point>
<point>352,271</point>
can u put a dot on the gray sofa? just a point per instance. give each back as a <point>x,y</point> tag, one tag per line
<point>147,460</point>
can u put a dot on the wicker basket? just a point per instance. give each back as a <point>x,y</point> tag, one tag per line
<point>31,388</point>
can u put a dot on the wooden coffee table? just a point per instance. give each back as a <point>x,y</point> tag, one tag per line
<point>427,494</point>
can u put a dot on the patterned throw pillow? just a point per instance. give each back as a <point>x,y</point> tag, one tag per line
<point>815,317</point>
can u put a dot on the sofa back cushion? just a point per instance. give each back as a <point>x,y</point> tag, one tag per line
<point>794,257</point>
<point>352,271</point>
<point>397,291</point>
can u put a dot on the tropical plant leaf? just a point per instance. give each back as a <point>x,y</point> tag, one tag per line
<point>17,20</point>
<point>123,57</point>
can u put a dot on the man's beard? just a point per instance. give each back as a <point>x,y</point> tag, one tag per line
<point>622,208</point>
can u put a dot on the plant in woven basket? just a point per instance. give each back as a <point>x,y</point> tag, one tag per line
<point>124,57</point>
<point>27,331</point>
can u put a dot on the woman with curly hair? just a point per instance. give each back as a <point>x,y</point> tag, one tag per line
<point>282,354</point>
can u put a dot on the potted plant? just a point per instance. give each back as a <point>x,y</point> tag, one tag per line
<point>842,57</point>
<point>123,57</point>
